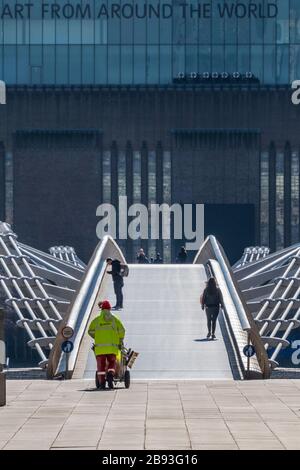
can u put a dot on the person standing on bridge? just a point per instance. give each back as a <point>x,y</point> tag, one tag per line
<point>182,256</point>
<point>211,300</point>
<point>141,257</point>
<point>108,333</point>
<point>116,268</point>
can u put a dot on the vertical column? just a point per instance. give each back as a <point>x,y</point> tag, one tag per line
<point>114,175</point>
<point>272,196</point>
<point>99,148</point>
<point>159,189</point>
<point>2,182</point>
<point>2,361</point>
<point>114,183</point>
<point>287,195</point>
<point>298,202</point>
<point>144,185</point>
<point>129,193</point>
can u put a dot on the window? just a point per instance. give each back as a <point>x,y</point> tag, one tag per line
<point>143,49</point>
<point>279,200</point>
<point>264,199</point>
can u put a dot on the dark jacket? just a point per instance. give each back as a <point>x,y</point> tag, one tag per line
<point>116,272</point>
<point>212,299</point>
<point>142,259</point>
<point>182,257</point>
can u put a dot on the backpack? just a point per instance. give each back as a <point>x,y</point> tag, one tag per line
<point>211,298</point>
<point>124,270</point>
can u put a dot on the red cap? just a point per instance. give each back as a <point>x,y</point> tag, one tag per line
<point>106,305</point>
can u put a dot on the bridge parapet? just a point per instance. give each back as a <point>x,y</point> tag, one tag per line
<point>83,309</point>
<point>240,323</point>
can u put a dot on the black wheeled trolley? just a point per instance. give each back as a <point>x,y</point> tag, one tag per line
<point>125,361</point>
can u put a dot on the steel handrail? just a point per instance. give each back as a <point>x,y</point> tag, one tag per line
<point>80,310</point>
<point>242,325</point>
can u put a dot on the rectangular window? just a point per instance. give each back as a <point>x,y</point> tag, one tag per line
<point>62,31</point>
<point>167,182</point>
<point>114,64</point>
<point>256,62</point>
<point>106,181</point>
<point>178,60</point>
<point>49,32</point>
<point>279,200</point>
<point>114,27</point>
<point>152,65</point>
<point>264,199</point>
<point>62,65</point>
<point>295,197</point>
<point>151,197</point>
<point>204,59</point>
<point>127,23</point>
<point>270,64</point>
<point>282,72</point>
<point>75,64</point>
<point>10,64</point>
<point>75,32</point>
<point>139,64</point>
<point>48,73</point>
<point>127,65</point>
<point>23,69</point>
<point>165,64</point>
<point>231,56</point>
<point>88,61</point>
<point>136,192</point>
<point>243,59</point>
<point>191,59</point>
<point>101,64</point>
<point>153,25</point>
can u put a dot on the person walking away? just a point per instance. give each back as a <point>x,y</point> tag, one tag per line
<point>117,280</point>
<point>158,259</point>
<point>182,256</point>
<point>108,333</point>
<point>141,257</point>
<point>211,300</point>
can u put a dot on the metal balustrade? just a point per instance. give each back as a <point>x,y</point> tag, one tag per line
<point>37,289</point>
<point>251,254</point>
<point>66,253</point>
<point>241,325</point>
<point>271,288</point>
<point>82,310</point>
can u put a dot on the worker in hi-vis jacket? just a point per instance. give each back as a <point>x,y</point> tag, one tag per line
<point>108,333</point>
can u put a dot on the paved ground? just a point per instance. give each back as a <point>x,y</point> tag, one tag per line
<point>165,324</point>
<point>152,415</point>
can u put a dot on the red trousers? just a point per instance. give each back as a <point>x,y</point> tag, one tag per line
<point>105,362</point>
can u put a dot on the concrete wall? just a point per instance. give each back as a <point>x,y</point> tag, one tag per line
<point>57,186</point>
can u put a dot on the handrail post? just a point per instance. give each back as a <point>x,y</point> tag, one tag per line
<point>248,359</point>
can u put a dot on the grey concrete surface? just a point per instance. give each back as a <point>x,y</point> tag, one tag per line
<point>165,324</point>
<point>167,415</point>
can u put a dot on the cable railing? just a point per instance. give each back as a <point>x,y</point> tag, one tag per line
<point>82,310</point>
<point>277,313</point>
<point>241,325</point>
<point>24,292</point>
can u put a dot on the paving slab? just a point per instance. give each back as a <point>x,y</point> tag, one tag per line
<point>199,415</point>
<point>256,444</point>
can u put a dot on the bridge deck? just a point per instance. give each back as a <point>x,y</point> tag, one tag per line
<point>165,324</point>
